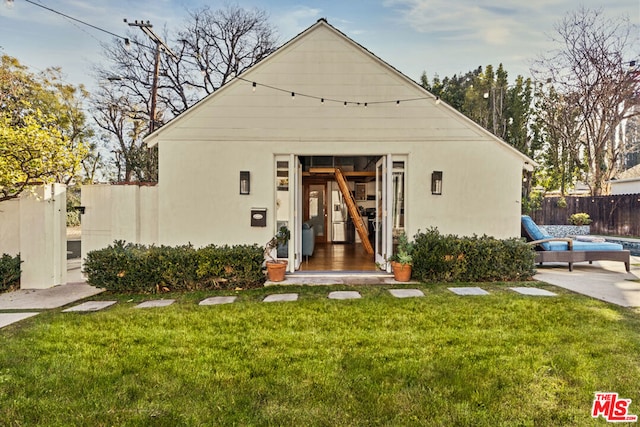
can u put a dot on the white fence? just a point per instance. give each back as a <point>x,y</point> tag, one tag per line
<point>34,226</point>
<point>118,212</point>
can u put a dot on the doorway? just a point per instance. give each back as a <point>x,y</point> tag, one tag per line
<point>310,200</point>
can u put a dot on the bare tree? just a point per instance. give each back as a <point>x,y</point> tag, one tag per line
<point>213,47</point>
<point>591,73</point>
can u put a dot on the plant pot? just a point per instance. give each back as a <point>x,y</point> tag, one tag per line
<point>401,272</point>
<point>276,271</point>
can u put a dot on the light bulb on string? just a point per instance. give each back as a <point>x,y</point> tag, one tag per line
<point>253,86</point>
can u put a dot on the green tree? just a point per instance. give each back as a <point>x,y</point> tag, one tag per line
<point>42,129</point>
<point>486,97</point>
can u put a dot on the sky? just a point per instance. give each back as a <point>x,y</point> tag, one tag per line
<point>439,37</point>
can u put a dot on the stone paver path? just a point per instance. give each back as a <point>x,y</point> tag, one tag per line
<point>155,303</point>
<point>534,292</point>
<point>280,297</point>
<point>406,293</point>
<point>218,300</point>
<point>9,318</point>
<point>344,295</point>
<point>471,290</point>
<point>90,306</point>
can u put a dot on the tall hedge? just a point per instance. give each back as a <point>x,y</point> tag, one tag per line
<point>9,271</point>
<point>449,258</point>
<point>128,267</point>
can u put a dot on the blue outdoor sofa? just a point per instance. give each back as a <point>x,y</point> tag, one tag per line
<point>564,249</point>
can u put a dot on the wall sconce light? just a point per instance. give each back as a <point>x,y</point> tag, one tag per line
<point>245,182</point>
<point>436,182</point>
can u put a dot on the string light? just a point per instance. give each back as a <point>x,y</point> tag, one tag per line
<point>322,100</point>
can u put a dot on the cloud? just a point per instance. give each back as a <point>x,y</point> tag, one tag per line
<point>294,21</point>
<point>494,22</point>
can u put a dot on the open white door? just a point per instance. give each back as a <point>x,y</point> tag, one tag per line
<point>295,246</point>
<point>383,226</point>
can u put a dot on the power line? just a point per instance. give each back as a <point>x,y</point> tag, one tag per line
<point>76,19</point>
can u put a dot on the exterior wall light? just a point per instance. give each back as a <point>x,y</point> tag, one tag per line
<point>245,182</point>
<point>436,182</point>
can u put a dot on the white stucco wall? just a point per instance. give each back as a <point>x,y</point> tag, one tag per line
<point>10,227</point>
<point>34,226</point>
<point>118,212</point>
<point>236,129</point>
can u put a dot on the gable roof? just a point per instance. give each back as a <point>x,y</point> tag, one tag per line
<point>414,87</point>
<point>632,174</point>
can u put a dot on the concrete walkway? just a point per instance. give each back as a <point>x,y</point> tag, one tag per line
<point>604,280</point>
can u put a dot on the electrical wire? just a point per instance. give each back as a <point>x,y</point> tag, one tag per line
<point>253,83</point>
<point>75,19</point>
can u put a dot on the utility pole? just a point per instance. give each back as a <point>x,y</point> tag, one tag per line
<point>146,28</point>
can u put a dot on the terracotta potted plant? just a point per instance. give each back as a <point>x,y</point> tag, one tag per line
<point>276,268</point>
<point>402,260</point>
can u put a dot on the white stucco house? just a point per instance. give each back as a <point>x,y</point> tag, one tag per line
<point>627,182</point>
<point>259,153</point>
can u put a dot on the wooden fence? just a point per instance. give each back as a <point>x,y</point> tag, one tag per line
<point>612,215</point>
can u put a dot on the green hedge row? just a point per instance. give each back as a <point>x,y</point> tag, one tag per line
<point>449,258</point>
<point>128,267</point>
<point>9,271</point>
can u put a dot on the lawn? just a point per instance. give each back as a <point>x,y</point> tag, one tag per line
<point>502,359</point>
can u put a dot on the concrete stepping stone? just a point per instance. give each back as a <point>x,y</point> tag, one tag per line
<point>470,290</point>
<point>155,303</point>
<point>7,319</point>
<point>344,295</point>
<point>406,293</point>
<point>534,292</point>
<point>217,300</point>
<point>90,306</point>
<point>280,297</point>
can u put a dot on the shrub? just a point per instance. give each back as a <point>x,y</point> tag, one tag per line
<point>221,267</point>
<point>128,267</point>
<point>9,271</point>
<point>580,218</point>
<point>450,258</point>
<point>562,202</point>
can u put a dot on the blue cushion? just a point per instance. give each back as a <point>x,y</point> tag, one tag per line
<point>583,246</point>
<point>305,226</point>
<point>533,229</point>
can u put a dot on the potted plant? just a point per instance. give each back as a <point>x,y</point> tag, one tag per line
<point>402,260</point>
<point>276,268</point>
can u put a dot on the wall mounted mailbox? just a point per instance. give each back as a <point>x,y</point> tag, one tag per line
<point>258,217</point>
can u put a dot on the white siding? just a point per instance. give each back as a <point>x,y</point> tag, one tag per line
<point>203,151</point>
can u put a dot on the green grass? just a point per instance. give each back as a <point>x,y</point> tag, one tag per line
<point>446,360</point>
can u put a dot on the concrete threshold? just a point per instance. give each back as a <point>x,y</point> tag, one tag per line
<point>337,278</point>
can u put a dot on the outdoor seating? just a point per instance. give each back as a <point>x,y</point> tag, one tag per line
<point>308,240</point>
<point>566,249</point>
